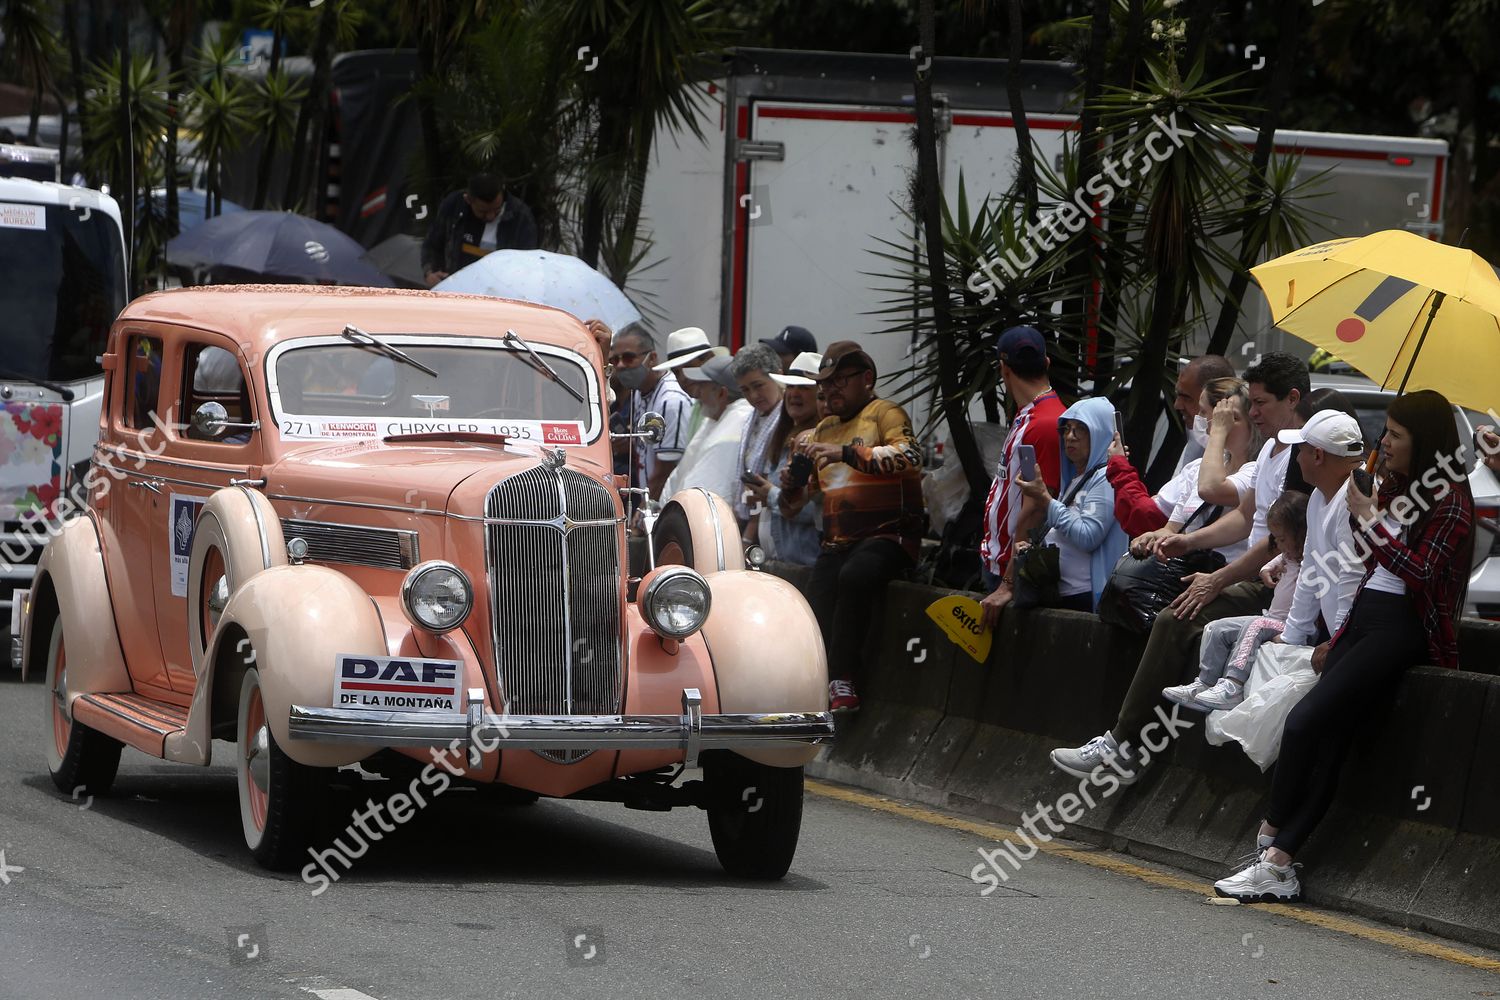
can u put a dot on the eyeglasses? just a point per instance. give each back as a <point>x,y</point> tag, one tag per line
<point>1074,429</point>
<point>840,381</point>
<point>624,357</point>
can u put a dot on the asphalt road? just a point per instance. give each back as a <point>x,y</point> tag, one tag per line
<point>150,893</point>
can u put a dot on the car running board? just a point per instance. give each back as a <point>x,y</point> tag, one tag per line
<point>131,719</point>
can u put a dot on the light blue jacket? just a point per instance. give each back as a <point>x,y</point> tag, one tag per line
<point>1088,522</point>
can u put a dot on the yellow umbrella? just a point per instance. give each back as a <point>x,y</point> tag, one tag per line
<point>1398,307</point>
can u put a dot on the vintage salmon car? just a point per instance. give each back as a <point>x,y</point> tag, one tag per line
<point>353,525</point>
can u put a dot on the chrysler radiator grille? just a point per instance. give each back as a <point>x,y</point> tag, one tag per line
<point>555,586</point>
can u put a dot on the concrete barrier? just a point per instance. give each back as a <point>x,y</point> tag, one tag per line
<point>1413,837</point>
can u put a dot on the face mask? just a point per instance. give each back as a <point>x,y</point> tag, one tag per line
<point>1199,431</point>
<point>631,378</point>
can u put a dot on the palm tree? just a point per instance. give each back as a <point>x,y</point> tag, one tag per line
<point>276,100</point>
<point>283,18</point>
<point>124,118</point>
<point>221,114</point>
<point>30,50</point>
<point>647,53</point>
<point>175,21</point>
<point>439,27</point>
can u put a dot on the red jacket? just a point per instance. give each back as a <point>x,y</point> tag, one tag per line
<point>1136,511</point>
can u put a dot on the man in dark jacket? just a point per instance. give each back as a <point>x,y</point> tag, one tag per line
<point>473,222</point>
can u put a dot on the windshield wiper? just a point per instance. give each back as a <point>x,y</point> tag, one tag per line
<point>354,333</point>
<point>61,390</point>
<point>512,337</point>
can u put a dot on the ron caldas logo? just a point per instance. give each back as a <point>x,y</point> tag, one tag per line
<point>562,433</point>
<point>398,685</point>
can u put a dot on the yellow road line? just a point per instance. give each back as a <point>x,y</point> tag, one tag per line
<point>1317,918</point>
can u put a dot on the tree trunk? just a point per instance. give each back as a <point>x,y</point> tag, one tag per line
<point>1088,160</point>
<point>1118,214</point>
<point>596,194</point>
<point>268,136</point>
<point>1025,155</point>
<point>296,176</point>
<point>125,183</point>
<point>432,140</point>
<point>1289,16</point>
<point>75,66</point>
<point>930,211</point>
<point>630,220</point>
<point>174,111</point>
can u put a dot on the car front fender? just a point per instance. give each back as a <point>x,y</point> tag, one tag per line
<point>767,653</point>
<point>290,623</point>
<point>72,566</point>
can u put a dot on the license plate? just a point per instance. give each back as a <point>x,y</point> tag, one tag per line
<point>397,684</point>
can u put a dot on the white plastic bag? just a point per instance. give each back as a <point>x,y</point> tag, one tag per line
<point>1281,675</point>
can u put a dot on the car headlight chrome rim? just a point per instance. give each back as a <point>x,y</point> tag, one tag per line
<point>436,596</point>
<point>676,602</point>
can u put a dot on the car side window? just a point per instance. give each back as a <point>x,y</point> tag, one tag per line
<point>142,382</point>
<point>213,375</point>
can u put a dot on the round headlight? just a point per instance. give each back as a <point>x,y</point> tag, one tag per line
<point>436,596</point>
<point>676,601</point>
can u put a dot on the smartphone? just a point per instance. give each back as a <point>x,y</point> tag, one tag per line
<point>747,476</point>
<point>1120,424</point>
<point>1364,482</point>
<point>1026,456</point>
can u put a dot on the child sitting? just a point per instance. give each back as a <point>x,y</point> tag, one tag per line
<point>1228,647</point>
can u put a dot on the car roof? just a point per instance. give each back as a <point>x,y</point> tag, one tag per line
<point>259,317</point>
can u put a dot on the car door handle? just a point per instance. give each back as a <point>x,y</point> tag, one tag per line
<point>153,485</point>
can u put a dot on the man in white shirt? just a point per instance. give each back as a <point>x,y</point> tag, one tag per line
<point>633,354</point>
<point>711,459</point>
<point>1196,374</point>
<point>1331,569</point>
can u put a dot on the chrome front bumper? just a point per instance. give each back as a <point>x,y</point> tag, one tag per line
<point>690,732</point>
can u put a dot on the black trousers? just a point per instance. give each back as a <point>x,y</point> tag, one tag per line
<point>844,591</point>
<point>1384,637</point>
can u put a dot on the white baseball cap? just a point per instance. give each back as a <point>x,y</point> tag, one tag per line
<point>802,369</point>
<point>1332,430</point>
<point>683,346</point>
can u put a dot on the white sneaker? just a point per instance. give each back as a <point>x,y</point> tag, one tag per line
<point>1262,882</point>
<point>1081,762</point>
<point>1185,695</point>
<point>1222,696</point>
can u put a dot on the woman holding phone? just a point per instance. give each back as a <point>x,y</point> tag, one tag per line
<point>1082,522</point>
<point>1415,536</point>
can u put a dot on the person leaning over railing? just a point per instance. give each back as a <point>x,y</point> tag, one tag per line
<point>1415,538</point>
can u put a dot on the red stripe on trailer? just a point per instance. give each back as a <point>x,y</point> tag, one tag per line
<point>741,241</point>
<point>1006,121</point>
<point>373,203</point>
<point>840,115</point>
<point>1437,194</point>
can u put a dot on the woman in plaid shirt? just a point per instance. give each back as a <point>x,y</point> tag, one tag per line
<point>1416,540</point>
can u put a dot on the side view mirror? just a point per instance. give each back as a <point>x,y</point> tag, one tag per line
<point>651,426</point>
<point>211,419</point>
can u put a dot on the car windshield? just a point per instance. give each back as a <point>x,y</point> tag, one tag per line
<point>64,284</point>
<point>332,388</point>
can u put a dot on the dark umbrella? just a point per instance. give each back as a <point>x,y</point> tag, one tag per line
<point>275,246</point>
<point>400,256</point>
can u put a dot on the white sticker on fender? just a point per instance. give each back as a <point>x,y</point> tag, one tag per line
<point>182,524</point>
<point>395,684</point>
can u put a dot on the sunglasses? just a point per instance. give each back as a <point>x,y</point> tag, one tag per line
<point>625,357</point>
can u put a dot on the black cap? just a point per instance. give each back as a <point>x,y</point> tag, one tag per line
<point>792,340</point>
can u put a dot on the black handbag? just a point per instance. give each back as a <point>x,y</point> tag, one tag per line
<point>1139,588</point>
<point>1039,568</point>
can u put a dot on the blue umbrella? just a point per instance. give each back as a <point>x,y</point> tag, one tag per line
<point>275,246</point>
<point>190,206</point>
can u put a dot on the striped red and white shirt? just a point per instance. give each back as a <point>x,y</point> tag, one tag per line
<point>1035,424</point>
